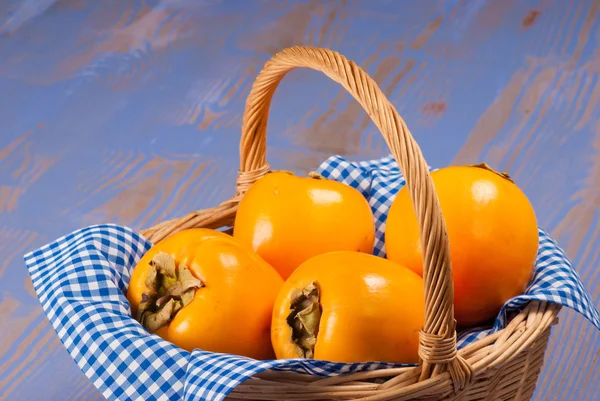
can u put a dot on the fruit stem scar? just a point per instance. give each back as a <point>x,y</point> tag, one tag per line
<point>486,166</point>
<point>304,319</point>
<point>169,288</point>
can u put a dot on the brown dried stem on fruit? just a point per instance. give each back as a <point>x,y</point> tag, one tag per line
<point>170,288</point>
<point>304,319</point>
<point>486,166</point>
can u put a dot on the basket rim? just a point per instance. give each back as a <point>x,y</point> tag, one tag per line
<point>512,349</point>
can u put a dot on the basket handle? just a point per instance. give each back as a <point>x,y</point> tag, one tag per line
<point>437,345</point>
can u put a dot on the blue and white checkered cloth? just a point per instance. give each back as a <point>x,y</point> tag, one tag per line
<point>81,281</point>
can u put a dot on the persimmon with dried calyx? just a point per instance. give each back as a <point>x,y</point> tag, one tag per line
<point>288,219</point>
<point>493,235</point>
<point>349,307</point>
<point>200,288</point>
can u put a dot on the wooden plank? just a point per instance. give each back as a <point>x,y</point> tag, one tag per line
<point>129,112</point>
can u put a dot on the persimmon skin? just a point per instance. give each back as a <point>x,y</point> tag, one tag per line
<point>372,309</point>
<point>493,235</point>
<point>231,313</point>
<point>288,219</point>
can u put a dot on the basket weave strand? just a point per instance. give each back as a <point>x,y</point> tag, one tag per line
<point>504,365</point>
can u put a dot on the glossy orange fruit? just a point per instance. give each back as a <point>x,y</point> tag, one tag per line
<point>288,219</point>
<point>349,307</point>
<point>229,298</point>
<point>493,236</point>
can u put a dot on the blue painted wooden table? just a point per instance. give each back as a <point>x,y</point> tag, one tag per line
<point>129,111</point>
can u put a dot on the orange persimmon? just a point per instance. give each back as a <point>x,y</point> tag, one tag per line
<point>493,235</point>
<point>288,219</point>
<point>349,307</point>
<point>200,288</point>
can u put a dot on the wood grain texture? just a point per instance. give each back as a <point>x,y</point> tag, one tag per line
<point>129,111</point>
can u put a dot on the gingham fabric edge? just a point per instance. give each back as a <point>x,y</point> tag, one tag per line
<point>87,308</point>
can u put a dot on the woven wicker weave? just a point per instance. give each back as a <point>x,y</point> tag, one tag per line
<point>502,366</point>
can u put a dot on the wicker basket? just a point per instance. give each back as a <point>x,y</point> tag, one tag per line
<point>502,366</point>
